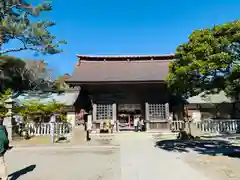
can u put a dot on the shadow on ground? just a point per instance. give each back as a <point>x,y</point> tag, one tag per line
<point>229,136</point>
<point>21,172</point>
<point>207,147</point>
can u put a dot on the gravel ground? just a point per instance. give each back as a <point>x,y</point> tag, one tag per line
<point>215,167</point>
<point>64,164</point>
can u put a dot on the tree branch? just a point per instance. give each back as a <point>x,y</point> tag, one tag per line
<point>12,50</point>
<point>17,50</point>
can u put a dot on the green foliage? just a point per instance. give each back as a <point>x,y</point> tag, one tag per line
<point>13,73</point>
<point>60,85</point>
<point>20,75</point>
<point>17,23</point>
<point>3,97</point>
<point>3,111</point>
<point>53,107</point>
<point>207,62</point>
<point>39,75</point>
<point>63,117</point>
<point>34,109</point>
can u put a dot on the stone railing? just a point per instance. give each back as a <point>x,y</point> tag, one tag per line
<point>219,125</point>
<point>176,126</point>
<point>210,125</point>
<point>44,129</point>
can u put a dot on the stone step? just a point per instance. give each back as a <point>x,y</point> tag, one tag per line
<point>103,139</point>
<point>103,136</point>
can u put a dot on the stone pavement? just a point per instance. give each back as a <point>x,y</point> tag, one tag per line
<point>63,164</point>
<point>140,160</point>
<point>135,159</point>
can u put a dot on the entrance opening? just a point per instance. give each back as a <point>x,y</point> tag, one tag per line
<point>126,114</point>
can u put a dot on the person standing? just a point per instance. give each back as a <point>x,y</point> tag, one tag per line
<point>140,123</point>
<point>84,119</point>
<point>80,118</point>
<point>108,126</point>
<point>135,123</point>
<point>112,122</point>
<point>4,146</point>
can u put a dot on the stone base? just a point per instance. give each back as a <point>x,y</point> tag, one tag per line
<point>78,135</point>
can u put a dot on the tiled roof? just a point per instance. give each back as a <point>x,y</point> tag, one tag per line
<point>212,98</point>
<point>67,98</point>
<point>121,68</point>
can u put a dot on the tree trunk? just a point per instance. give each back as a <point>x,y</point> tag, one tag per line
<point>185,133</point>
<point>179,114</point>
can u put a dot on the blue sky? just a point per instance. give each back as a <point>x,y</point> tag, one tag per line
<point>128,27</point>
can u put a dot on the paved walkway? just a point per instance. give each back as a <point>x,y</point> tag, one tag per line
<point>63,164</point>
<point>140,160</point>
<point>137,159</point>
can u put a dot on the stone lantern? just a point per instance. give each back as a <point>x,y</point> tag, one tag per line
<point>8,117</point>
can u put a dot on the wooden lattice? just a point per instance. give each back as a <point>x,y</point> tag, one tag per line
<point>104,111</point>
<point>157,112</point>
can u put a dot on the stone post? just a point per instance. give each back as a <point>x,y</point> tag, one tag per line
<point>71,117</point>
<point>167,110</point>
<point>7,122</point>
<point>52,128</point>
<point>147,115</point>
<point>167,115</point>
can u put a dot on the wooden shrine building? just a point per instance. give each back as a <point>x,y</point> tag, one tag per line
<point>120,87</point>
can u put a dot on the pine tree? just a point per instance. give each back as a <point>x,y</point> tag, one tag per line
<point>16,24</point>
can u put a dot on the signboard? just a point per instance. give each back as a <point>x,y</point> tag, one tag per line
<point>129,107</point>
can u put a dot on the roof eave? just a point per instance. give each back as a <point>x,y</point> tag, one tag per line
<point>72,82</point>
<point>79,55</point>
<point>152,57</point>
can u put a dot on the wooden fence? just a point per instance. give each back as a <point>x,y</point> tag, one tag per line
<point>210,125</point>
<point>43,129</point>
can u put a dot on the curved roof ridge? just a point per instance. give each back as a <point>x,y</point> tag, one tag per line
<point>123,56</point>
<point>135,61</point>
<point>126,58</point>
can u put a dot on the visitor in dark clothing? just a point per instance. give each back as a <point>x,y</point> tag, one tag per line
<point>4,146</point>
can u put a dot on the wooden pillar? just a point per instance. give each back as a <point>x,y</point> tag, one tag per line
<point>94,113</point>
<point>114,116</point>
<point>147,115</point>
